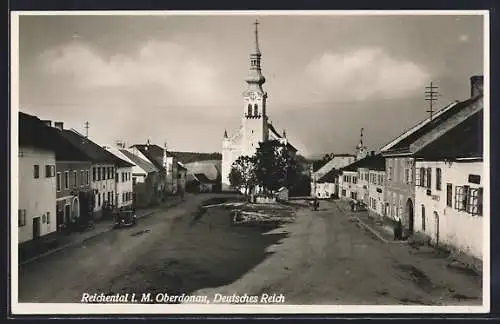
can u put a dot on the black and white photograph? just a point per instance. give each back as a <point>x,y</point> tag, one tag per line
<point>250,162</point>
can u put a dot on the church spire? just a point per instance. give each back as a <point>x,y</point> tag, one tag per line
<point>225,133</point>
<point>255,77</point>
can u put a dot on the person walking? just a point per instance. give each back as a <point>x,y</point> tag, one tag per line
<point>398,229</point>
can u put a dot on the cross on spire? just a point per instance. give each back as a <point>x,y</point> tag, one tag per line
<point>257,49</point>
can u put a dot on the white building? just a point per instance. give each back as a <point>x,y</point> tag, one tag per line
<point>324,176</point>
<point>255,126</point>
<point>36,179</point>
<point>449,188</point>
<point>123,178</point>
<point>376,203</point>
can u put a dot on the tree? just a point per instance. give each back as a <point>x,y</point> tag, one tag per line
<point>276,166</point>
<point>242,174</point>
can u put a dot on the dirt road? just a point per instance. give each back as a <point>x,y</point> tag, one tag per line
<point>322,258</point>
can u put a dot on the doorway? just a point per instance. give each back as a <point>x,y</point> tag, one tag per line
<point>409,214</point>
<point>67,212</point>
<point>436,229</point>
<point>36,228</point>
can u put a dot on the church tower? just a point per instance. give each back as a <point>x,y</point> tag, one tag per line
<point>361,149</point>
<point>254,118</point>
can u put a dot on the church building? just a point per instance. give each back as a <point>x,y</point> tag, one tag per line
<point>255,126</point>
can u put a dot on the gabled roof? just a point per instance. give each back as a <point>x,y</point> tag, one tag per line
<point>202,178</point>
<point>463,141</point>
<point>93,151</point>
<point>147,166</point>
<point>153,152</point>
<point>181,166</point>
<point>329,177</point>
<point>403,142</point>
<point>33,132</point>
<point>318,164</point>
<point>372,162</point>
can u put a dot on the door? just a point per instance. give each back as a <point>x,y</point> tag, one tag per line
<point>436,229</point>
<point>67,212</point>
<point>36,227</point>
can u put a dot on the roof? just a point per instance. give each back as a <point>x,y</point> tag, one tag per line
<point>140,162</point>
<point>278,136</point>
<point>94,152</point>
<point>372,162</point>
<point>33,132</point>
<point>329,176</point>
<point>403,142</point>
<point>188,157</point>
<point>181,166</point>
<point>463,141</point>
<point>154,153</point>
<point>202,178</point>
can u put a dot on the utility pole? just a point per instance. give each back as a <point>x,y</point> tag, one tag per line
<point>431,96</point>
<point>87,125</point>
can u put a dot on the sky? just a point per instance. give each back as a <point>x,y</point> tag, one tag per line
<point>179,79</point>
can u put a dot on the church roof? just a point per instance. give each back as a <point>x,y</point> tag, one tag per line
<point>278,136</point>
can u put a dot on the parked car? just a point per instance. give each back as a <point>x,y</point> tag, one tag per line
<point>125,218</point>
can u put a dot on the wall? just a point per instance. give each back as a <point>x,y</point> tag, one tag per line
<point>376,193</point>
<point>444,224</point>
<point>171,175</point>
<point>102,186</point>
<point>66,192</point>
<point>325,190</point>
<point>362,185</point>
<point>37,197</point>
<point>397,189</point>
<point>123,185</point>
<point>350,186</point>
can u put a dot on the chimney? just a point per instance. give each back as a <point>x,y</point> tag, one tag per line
<point>476,85</point>
<point>47,123</point>
<point>59,125</point>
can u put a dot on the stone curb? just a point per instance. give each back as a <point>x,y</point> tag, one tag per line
<point>370,228</point>
<point>89,238</point>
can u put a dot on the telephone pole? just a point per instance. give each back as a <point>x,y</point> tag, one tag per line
<point>431,95</point>
<point>87,125</point>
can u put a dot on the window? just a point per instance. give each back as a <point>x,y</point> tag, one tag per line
<point>112,197</point>
<point>123,196</point>
<point>469,199</point>
<point>48,217</point>
<point>116,177</point>
<point>423,218</point>
<point>82,177</point>
<point>343,193</point>
<point>354,180</point>
<point>21,217</point>
<point>103,172</point>
<point>407,175</point>
<point>389,174</point>
<point>58,181</point>
<point>44,219</point>
<point>103,197</point>
<point>449,194</point>
<point>438,179</point>
<point>123,176</point>
<point>93,174</point>
<point>422,177</point>
<point>36,171</point>
<point>66,179</point>
<point>75,178</point>
<point>98,200</point>
<point>98,174</point>
<point>50,171</point>
<point>249,112</point>
<point>255,110</point>
<point>87,177</point>
<point>134,180</point>
<point>109,196</point>
<point>429,178</point>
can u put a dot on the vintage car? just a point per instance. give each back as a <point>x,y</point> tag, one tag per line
<point>125,218</point>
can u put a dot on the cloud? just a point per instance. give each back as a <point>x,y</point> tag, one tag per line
<point>363,74</point>
<point>179,76</point>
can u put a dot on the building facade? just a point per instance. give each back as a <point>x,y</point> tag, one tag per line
<point>36,180</point>
<point>37,193</point>
<point>376,198</point>
<point>72,180</point>
<point>400,162</point>
<point>449,189</point>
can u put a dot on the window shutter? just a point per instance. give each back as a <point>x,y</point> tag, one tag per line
<point>417,177</point>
